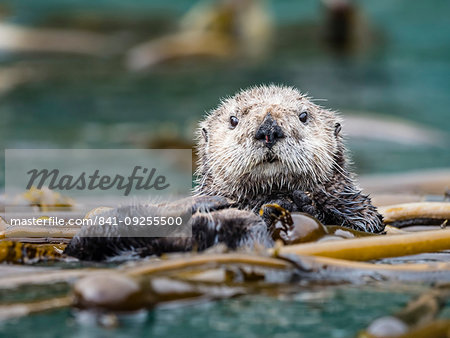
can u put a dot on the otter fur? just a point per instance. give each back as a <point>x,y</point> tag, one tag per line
<point>272,144</point>
<point>266,144</point>
<point>212,221</point>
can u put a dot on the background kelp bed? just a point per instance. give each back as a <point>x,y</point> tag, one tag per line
<point>95,102</point>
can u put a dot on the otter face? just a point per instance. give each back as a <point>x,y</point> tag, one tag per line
<point>267,138</point>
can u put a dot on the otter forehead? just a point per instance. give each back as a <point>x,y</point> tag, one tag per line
<point>272,97</point>
<point>275,95</point>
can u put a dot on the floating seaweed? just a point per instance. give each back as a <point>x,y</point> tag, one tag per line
<point>298,227</point>
<point>216,273</point>
<point>416,213</point>
<point>20,253</point>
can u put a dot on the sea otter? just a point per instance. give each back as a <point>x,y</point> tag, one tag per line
<point>266,144</point>
<point>273,143</point>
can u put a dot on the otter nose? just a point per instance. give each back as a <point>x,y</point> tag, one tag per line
<point>269,131</point>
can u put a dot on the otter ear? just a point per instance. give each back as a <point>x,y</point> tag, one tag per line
<point>337,129</point>
<point>205,134</point>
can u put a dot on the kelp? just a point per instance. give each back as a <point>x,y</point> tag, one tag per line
<point>212,274</point>
<point>431,210</point>
<point>10,311</point>
<point>41,231</point>
<point>364,249</point>
<point>19,253</point>
<point>202,263</point>
<point>46,276</point>
<point>297,227</point>
<point>211,260</point>
<point>147,283</point>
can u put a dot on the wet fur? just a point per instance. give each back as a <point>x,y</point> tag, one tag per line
<point>311,158</point>
<point>212,221</point>
<point>310,173</point>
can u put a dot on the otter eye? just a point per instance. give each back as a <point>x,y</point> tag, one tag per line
<point>233,121</point>
<point>303,116</point>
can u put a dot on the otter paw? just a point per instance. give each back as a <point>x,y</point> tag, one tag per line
<point>304,202</point>
<point>269,214</point>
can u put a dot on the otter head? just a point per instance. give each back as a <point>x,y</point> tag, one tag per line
<point>266,139</point>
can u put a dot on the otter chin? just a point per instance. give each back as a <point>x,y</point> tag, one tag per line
<point>268,142</point>
<point>270,158</point>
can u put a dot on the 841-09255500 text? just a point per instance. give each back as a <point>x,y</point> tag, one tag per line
<point>136,220</point>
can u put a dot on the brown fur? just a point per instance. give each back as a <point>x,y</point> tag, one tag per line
<point>310,158</point>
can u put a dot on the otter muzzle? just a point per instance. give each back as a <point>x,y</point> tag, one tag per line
<point>269,131</point>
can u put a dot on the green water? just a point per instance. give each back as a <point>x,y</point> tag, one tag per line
<point>323,312</point>
<point>96,103</point>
